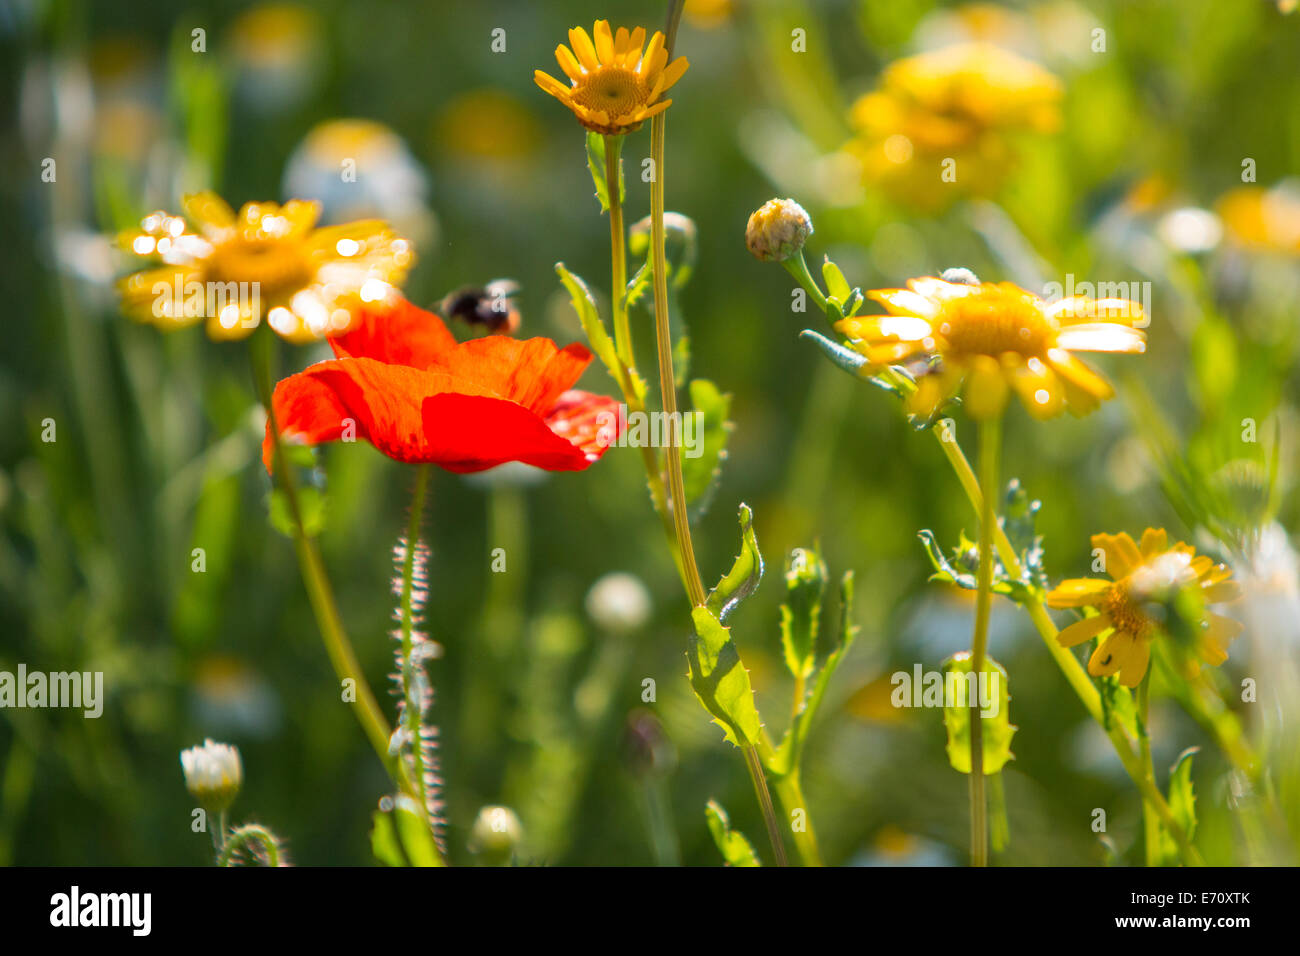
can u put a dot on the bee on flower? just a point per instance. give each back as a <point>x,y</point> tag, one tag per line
<point>962,103</point>
<point>266,262</point>
<point>613,86</point>
<point>1145,577</point>
<point>989,339</point>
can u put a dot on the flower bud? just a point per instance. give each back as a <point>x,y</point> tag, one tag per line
<point>618,603</point>
<point>213,774</point>
<point>496,835</point>
<point>778,230</point>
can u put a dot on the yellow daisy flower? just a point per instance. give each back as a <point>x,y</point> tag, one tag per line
<point>1144,573</point>
<point>1263,219</point>
<point>959,103</point>
<point>995,337</point>
<point>614,88</point>
<point>268,261</point>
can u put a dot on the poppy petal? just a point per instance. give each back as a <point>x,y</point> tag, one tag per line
<point>396,333</point>
<point>591,422</point>
<point>465,433</point>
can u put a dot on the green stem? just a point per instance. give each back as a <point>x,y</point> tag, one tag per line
<point>789,791</point>
<point>1150,823</point>
<point>798,267</point>
<point>1074,673</point>
<point>618,249</point>
<point>312,567</point>
<point>411,705</point>
<point>759,779</point>
<point>990,446</point>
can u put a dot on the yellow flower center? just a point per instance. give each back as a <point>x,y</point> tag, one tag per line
<point>277,266</point>
<point>1125,613</point>
<point>993,321</point>
<point>615,90</point>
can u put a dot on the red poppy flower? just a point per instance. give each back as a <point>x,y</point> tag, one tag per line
<point>402,382</point>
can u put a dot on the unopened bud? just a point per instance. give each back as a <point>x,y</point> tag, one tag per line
<point>778,230</point>
<point>213,774</point>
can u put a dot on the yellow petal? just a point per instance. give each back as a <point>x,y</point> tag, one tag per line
<point>1101,337</point>
<point>1136,665</point>
<point>1154,541</point>
<point>583,49</point>
<point>1112,654</point>
<point>674,72</point>
<point>1122,555</point>
<point>986,388</point>
<point>551,85</point>
<point>1037,385</point>
<point>1084,630</point>
<point>1079,592</point>
<point>604,42</point>
<point>568,62</point>
<point>906,302</point>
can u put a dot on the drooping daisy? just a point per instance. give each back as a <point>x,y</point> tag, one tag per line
<point>266,262</point>
<point>614,88</point>
<point>994,338</point>
<point>1146,575</point>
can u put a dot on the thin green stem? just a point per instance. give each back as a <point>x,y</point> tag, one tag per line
<point>1150,822</point>
<point>312,567</point>
<point>990,440</point>
<point>789,790</point>
<point>759,779</point>
<point>618,249</point>
<point>798,267</point>
<point>1074,673</point>
<point>411,705</point>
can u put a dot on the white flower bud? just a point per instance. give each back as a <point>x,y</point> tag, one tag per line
<point>213,774</point>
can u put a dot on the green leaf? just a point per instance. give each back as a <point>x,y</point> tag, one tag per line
<point>720,679</point>
<point>805,582</point>
<point>638,285</point>
<point>997,726</point>
<point>735,849</point>
<point>788,755</point>
<point>584,304</point>
<point>746,571</point>
<point>702,465</point>
<point>1182,803</point>
<point>400,837</point>
<point>836,284</point>
<point>1020,517</point>
<point>311,508</point>
<point>596,163</point>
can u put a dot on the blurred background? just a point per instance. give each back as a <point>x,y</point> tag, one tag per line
<point>1135,168</point>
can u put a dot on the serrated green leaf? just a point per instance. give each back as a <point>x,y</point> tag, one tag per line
<point>997,726</point>
<point>805,582</point>
<point>702,465</point>
<point>584,304</point>
<point>638,285</point>
<point>735,849</point>
<point>720,680</point>
<point>745,574</point>
<point>596,163</point>
<point>787,758</point>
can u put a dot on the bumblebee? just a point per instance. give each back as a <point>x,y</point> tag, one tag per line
<point>490,306</point>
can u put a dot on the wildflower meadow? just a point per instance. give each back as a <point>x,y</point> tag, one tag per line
<point>704,433</point>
